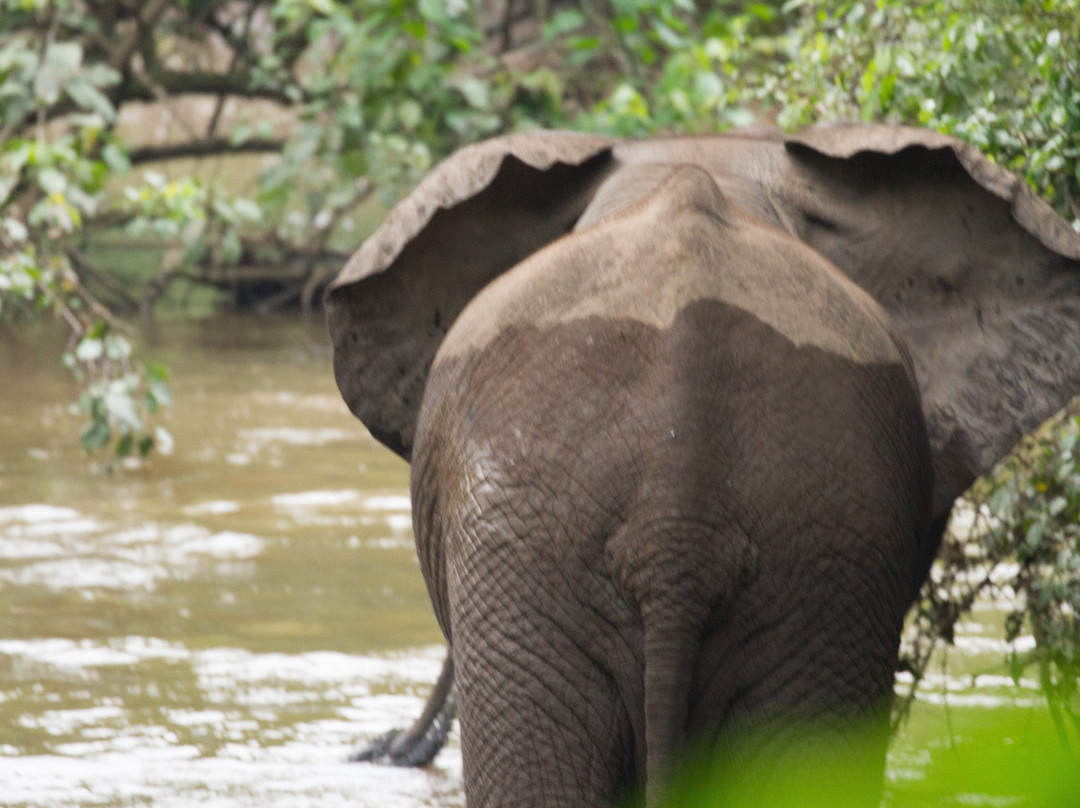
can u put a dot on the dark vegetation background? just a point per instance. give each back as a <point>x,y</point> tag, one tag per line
<point>180,158</point>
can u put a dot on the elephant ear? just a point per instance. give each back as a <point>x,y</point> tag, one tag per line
<point>981,277</point>
<point>474,216</point>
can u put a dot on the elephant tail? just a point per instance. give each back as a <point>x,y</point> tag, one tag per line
<point>671,646</point>
<point>680,576</point>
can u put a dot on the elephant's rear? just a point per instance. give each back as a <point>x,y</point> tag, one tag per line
<point>670,482</point>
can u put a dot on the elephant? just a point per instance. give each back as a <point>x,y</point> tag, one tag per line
<point>686,418</point>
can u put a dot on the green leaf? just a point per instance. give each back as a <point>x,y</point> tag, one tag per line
<point>52,181</point>
<point>124,445</point>
<point>708,85</point>
<point>868,77</point>
<point>475,92</point>
<point>668,36</point>
<point>240,135</point>
<point>870,106</point>
<point>563,22</point>
<point>354,162</point>
<point>89,349</point>
<point>1016,667</point>
<point>95,435</point>
<point>117,347</point>
<point>100,75</point>
<point>160,392</point>
<point>66,56</point>
<point>273,198</point>
<point>433,10</point>
<point>120,408</point>
<point>247,209</point>
<point>888,86</point>
<point>116,158</point>
<point>761,11</point>
<point>231,247</point>
<point>146,445</point>
<point>584,43</point>
<point>1034,535</point>
<point>1045,596</point>
<point>410,113</point>
<point>90,97</point>
<point>417,29</point>
<point>61,61</point>
<point>156,372</point>
<point>163,439</point>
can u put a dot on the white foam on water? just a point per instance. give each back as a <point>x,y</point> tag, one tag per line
<point>937,682</point>
<point>64,722</point>
<point>399,522</point>
<point>92,573</point>
<point>192,718</point>
<point>398,543</point>
<point>313,499</point>
<point>988,680</point>
<point>227,545</point>
<point>100,761</point>
<point>322,403</point>
<point>993,645</point>
<point>233,665</point>
<point>25,548</point>
<point>214,507</point>
<point>390,513</point>
<point>295,436</point>
<point>37,513</point>
<point>388,503</point>
<point>36,521</point>
<point>65,653</point>
<point>979,700</point>
<point>136,558</point>
<point>266,778</point>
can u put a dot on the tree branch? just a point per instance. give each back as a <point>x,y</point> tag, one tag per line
<point>82,266</point>
<point>316,245</point>
<point>202,82</point>
<point>239,51</point>
<point>204,148</point>
<point>129,42</point>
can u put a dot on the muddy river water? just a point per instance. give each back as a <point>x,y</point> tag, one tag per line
<point>223,625</point>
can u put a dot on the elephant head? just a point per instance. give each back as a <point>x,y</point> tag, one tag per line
<point>980,277</point>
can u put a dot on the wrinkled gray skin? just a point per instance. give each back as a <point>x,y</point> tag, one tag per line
<point>686,419</point>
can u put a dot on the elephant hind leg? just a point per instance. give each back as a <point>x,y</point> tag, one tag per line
<point>542,721</point>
